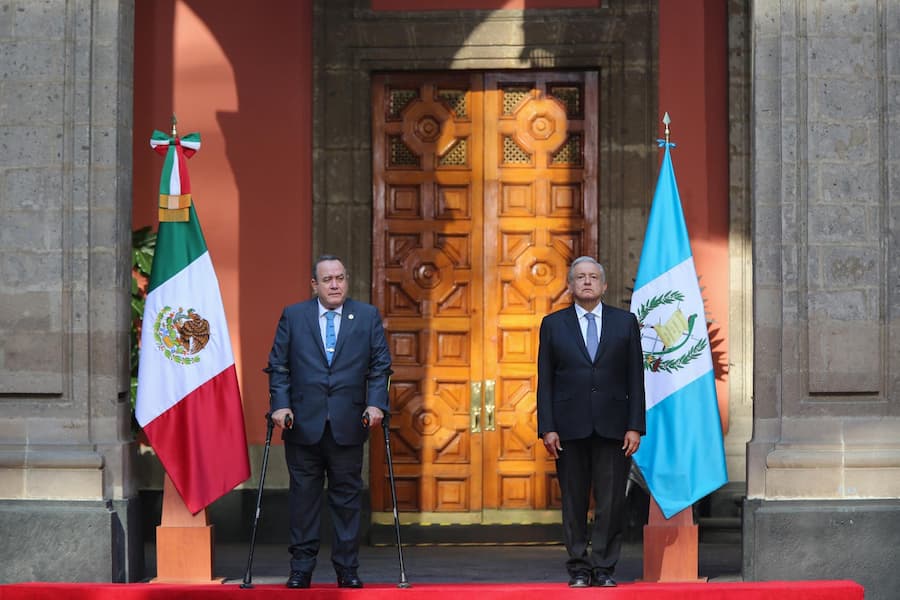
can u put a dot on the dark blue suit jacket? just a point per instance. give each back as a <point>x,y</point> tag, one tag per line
<point>577,397</point>
<point>301,379</point>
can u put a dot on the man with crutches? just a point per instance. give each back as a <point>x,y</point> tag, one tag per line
<point>329,365</point>
<point>270,425</point>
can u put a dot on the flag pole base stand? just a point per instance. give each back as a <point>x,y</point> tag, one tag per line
<point>671,547</point>
<point>184,543</point>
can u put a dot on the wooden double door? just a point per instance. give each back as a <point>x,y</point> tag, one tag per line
<point>485,190</point>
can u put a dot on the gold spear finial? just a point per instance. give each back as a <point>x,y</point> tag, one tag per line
<point>666,120</point>
<point>174,122</point>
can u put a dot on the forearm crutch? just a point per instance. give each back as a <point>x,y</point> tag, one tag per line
<point>270,425</point>
<point>386,426</point>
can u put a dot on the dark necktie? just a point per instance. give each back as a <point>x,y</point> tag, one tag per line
<point>330,337</point>
<point>592,340</point>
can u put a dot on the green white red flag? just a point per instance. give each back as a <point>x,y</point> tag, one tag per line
<point>188,399</point>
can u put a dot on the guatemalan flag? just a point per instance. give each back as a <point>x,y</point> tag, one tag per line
<point>188,400</point>
<point>682,456</point>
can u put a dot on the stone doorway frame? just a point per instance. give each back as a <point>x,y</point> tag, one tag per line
<point>620,41</point>
<point>351,42</point>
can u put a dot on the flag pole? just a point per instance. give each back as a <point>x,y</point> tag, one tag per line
<point>666,120</point>
<point>185,445</point>
<point>671,546</point>
<point>184,541</point>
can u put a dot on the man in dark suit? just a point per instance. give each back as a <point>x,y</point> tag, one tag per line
<point>328,366</point>
<point>590,403</point>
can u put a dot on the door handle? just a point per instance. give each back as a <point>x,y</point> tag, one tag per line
<point>489,408</point>
<point>475,407</point>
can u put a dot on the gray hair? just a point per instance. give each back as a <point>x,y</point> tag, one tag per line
<point>584,259</point>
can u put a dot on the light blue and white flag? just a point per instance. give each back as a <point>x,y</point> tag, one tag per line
<point>682,456</point>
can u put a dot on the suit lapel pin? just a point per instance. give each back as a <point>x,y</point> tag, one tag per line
<point>350,316</point>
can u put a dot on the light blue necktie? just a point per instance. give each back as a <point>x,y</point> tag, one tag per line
<point>330,338</point>
<point>592,340</point>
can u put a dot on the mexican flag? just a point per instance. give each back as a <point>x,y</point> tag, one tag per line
<point>188,400</point>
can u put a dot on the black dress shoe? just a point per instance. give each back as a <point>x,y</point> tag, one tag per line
<point>298,579</point>
<point>603,580</point>
<point>580,580</point>
<point>349,580</point>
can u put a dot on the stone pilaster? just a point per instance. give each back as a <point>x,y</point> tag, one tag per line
<point>740,252</point>
<point>65,201</point>
<point>824,461</point>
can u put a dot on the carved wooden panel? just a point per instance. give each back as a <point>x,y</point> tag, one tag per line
<point>484,190</point>
<point>516,418</point>
<point>540,213</point>
<point>427,190</point>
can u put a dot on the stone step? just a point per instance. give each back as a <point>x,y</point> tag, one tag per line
<point>720,529</point>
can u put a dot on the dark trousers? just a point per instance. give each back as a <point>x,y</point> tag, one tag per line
<point>597,463</point>
<point>308,467</point>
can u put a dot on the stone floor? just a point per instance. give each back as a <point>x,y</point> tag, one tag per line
<point>432,564</point>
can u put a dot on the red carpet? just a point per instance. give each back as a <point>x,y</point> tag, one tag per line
<point>771,590</point>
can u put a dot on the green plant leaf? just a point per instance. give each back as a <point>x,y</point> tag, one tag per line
<point>143,247</point>
<point>144,262</point>
<point>137,307</point>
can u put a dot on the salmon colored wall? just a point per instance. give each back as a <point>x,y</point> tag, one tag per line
<point>242,78</point>
<point>693,89</point>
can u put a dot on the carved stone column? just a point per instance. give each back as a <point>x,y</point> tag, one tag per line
<point>824,461</point>
<point>68,509</point>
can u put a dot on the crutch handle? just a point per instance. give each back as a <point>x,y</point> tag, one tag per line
<point>385,421</point>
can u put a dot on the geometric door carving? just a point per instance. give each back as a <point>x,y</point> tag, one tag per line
<point>484,190</point>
